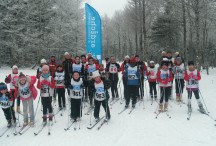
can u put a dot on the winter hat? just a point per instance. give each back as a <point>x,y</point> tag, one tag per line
<point>89,53</point>
<point>127,57</point>
<point>95,74</point>
<point>163,52</point>
<point>45,67</point>
<point>176,53</point>
<point>43,61</point>
<point>151,62</point>
<point>3,86</point>
<point>14,67</point>
<point>164,62</point>
<point>179,59</point>
<point>190,63</point>
<point>66,53</point>
<point>137,56</point>
<point>21,76</point>
<point>133,60</point>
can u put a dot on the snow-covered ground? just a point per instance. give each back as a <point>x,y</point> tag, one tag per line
<point>137,129</point>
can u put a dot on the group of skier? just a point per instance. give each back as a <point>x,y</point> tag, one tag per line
<point>83,79</point>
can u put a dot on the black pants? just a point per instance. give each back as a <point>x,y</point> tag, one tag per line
<point>179,85</point>
<point>114,89</point>
<point>132,93</point>
<point>76,108</point>
<point>47,104</point>
<point>18,99</point>
<point>141,81</point>
<point>9,114</point>
<point>196,93</point>
<point>165,92</point>
<point>125,87</point>
<point>105,106</point>
<point>152,87</point>
<point>61,96</point>
<point>91,94</point>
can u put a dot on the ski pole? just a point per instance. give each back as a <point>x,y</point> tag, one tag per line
<point>37,107</point>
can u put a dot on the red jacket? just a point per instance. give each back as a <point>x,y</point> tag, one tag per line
<point>52,67</point>
<point>51,85</point>
<point>164,82</point>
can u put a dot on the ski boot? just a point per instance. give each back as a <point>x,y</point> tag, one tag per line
<point>160,107</point>
<point>25,123</point>
<point>201,109</point>
<point>166,106</point>
<point>178,98</point>
<point>50,117</point>
<point>9,124</point>
<point>126,106</point>
<point>44,120</point>
<point>189,108</point>
<point>133,106</point>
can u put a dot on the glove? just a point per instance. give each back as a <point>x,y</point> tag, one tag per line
<point>191,75</point>
<point>45,82</point>
<point>6,79</point>
<point>71,87</point>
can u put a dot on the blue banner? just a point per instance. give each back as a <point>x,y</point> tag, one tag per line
<point>93,32</point>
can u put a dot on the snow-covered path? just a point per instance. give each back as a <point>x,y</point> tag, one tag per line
<point>139,128</point>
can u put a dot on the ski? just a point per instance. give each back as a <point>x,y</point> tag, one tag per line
<point>49,128</point>
<point>122,111</point>
<point>88,111</point>
<point>189,115</point>
<point>4,131</point>
<point>157,114</point>
<point>103,122</point>
<point>114,101</point>
<point>131,111</point>
<point>68,127</point>
<point>57,112</point>
<point>21,129</point>
<point>41,129</point>
<point>13,129</point>
<point>168,115</point>
<point>95,123</point>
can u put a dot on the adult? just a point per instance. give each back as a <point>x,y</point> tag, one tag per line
<point>39,70</point>
<point>52,65</point>
<point>67,65</point>
<point>113,68</point>
<point>142,68</point>
<point>123,69</point>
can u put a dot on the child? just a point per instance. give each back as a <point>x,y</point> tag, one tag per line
<point>46,84</point>
<point>77,66</point>
<point>178,71</point>
<point>60,87</point>
<point>100,88</point>
<point>192,77</point>
<point>164,77</point>
<point>152,79</point>
<point>12,79</point>
<point>39,70</point>
<point>113,68</point>
<point>89,69</point>
<point>27,92</point>
<point>102,71</point>
<point>6,102</point>
<point>76,96</point>
<point>133,83</point>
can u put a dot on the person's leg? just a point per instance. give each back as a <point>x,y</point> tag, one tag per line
<point>31,110</point>
<point>106,108</point>
<point>116,87</point>
<point>155,89</point>
<point>58,91</point>
<point>63,96</point>
<point>97,109</point>
<point>25,111</point>
<point>150,89</point>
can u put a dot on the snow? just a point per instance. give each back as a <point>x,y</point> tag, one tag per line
<point>139,128</point>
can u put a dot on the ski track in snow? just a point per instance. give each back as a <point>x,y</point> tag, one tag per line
<point>139,128</point>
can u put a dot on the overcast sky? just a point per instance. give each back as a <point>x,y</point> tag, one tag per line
<point>107,6</point>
